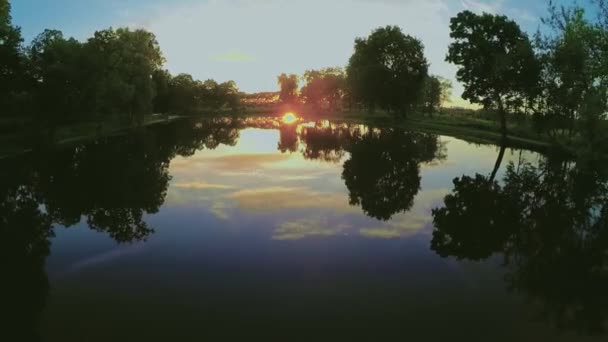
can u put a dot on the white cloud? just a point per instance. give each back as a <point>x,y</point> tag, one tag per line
<point>274,36</point>
<point>479,6</point>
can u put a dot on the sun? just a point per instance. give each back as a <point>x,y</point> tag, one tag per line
<point>289,118</point>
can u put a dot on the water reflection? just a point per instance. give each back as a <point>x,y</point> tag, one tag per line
<point>547,219</point>
<point>112,183</point>
<point>549,222</point>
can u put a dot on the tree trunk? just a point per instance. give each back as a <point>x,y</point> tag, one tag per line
<point>501,156</point>
<point>503,118</point>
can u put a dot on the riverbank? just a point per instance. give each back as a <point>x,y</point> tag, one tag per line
<point>19,142</point>
<point>470,125</point>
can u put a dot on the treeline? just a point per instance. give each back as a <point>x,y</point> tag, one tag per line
<point>558,78</point>
<point>116,73</point>
<point>335,89</point>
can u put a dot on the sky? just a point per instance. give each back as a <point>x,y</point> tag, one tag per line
<point>253,41</point>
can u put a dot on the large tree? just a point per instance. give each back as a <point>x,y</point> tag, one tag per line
<point>387,70</point>
<point>11,61</point>
<point>497,65</point>
<point>58,67</point>
<point>575,71</point>
<point>124,61</point>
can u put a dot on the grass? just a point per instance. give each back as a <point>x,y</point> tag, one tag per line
<point>18,142</point>
<point>474,126</point>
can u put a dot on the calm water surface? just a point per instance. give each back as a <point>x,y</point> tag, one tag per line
<point>256,230</point>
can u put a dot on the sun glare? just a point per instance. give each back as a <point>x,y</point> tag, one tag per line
<point>289,118</point>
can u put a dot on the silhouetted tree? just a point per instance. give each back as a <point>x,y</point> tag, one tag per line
<point>497,65</point>
<point>387,70</point>
<point>288,141</point>
<point>324,88</point>
<point>549,222</point>
<point>327,143</point>
<point>59,67</point>
<point>289,88</point>
<point>383,172</point>
<point>13,83</point>
<point>574,71</point>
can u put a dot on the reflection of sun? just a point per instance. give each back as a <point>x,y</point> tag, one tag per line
<point>289,118</point>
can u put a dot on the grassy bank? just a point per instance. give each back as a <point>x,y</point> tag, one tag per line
<point>21,141</point>
<point>474,126</point>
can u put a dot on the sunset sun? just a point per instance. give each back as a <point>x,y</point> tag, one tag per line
<point>289,118</point>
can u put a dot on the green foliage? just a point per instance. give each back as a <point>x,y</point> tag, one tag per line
<point>497,65</point>
<point>57,66</point>
<point>124,62</point>
<point>13,81</point>
<point>575,72</point>
<point>431,94</point>
<point>387,70</point>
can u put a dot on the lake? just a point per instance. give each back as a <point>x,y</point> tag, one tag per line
<point>255,229</point>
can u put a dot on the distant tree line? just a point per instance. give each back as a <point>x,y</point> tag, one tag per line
<point>387,71</point>
<point>116,73</point>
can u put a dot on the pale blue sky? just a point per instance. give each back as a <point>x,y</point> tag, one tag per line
<point>252,41</point>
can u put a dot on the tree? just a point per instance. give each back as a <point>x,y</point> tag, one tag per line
<point>184,94</point>
<point>58,67</point>
<point>289,88</point>
<point>162,97</point>
<point>497,65</point>
<point>324,88</point>
<point>124,61</point>
<point>431,95</point>
<point>388,70</point>
<point>12,65</point>
<point>574,71</point>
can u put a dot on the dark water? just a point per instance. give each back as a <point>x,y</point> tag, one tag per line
<point>253,230</point>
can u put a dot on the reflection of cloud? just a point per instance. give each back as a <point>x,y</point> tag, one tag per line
<point>410,223</point>
<point>101,258</point>
<point>281,198</point>
<point>234,56</point>
<point>246,162</point>
<point>202,186</point>
<point>219,210</point>
<point>299,229</point>
<point>397,228</point>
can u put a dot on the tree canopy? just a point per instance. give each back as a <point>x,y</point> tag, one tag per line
<point>387,70</point>
<point>497,65</point>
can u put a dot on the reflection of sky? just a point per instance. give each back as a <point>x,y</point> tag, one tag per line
<point>298,198</point>
<point>249,237</point>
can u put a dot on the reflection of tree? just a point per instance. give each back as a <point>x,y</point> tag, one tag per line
<point>383,172</point>
<point>24,245</point>
<point>288,141</point>
<point>327,142</point>
<point>550,222</point>
<point>113,183</point>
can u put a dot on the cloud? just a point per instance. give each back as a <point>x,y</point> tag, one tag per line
<point>234,56</point>
<point>479,6</point>
<point>250,162</point>
<point>284,198</point>
<point>310,227</point>
<point>287,36</point>
<point>202,186</point>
